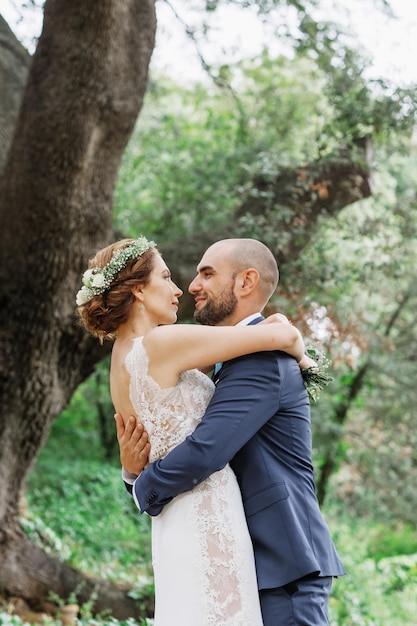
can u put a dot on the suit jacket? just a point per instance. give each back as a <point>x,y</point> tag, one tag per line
<point>259,421</point>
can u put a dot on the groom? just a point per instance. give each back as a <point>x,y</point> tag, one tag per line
<point>259,421</point>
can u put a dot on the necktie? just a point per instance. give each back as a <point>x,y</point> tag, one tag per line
<point>217,369</point>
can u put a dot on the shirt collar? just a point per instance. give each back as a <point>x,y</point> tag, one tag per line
<point>248,320</point>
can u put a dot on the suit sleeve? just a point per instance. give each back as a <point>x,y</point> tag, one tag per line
<point>246,396</point>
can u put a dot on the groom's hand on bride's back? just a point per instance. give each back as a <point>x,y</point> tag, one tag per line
<point>133,443</point>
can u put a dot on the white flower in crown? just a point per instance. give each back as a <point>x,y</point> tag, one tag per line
<point>83,296</point>
<point>87,277</point>
<point>98,280</point>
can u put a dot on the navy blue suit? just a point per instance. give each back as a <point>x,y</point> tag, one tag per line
<point>259,421</point>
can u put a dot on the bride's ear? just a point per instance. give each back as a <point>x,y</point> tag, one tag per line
<point>138,292</point>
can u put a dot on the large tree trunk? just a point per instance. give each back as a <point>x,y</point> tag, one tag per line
<point>85,88</point>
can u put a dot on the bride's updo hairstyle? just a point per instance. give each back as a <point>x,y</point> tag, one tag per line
<point>106,299</point>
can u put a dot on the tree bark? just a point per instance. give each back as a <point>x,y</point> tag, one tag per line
<point>296,200</point>
<point>340,418</point>
<point>14,66</point>
<point>85,88</point>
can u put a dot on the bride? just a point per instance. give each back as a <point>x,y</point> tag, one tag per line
<point>202,555</point>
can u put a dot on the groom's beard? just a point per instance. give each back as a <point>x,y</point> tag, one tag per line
<point>215,311</point>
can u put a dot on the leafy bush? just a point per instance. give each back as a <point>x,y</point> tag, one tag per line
<point>371,594</point>
<point>394,542</point>
<point>87,423</point>
<point>71,499</point>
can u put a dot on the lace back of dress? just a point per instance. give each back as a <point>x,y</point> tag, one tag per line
<point>169,415</point>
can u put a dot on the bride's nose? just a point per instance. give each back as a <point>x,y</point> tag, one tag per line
<point>177,291</point>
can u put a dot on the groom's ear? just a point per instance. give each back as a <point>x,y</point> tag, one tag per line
<point>247,281</point>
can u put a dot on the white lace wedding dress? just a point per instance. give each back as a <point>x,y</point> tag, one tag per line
<point>201,550</point>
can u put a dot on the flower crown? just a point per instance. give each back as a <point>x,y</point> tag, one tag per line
<point>98,279</point>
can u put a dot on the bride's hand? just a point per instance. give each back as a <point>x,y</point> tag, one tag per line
<point>279,318</point>
<point>134,444</point>
<point>276,318</point>
<point>307,362</point>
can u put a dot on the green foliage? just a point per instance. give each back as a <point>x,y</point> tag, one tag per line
<point>72,598</point>
<point>180,153</point>
<point>72,497</point>
<point>88,420</point>
<point>195,149</point>
<point>396,542</point>
<point>361,107</point>
<point>361,597</point>
<point>400,573</point>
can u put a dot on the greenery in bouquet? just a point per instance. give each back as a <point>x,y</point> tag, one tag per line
<point>316,378</point>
